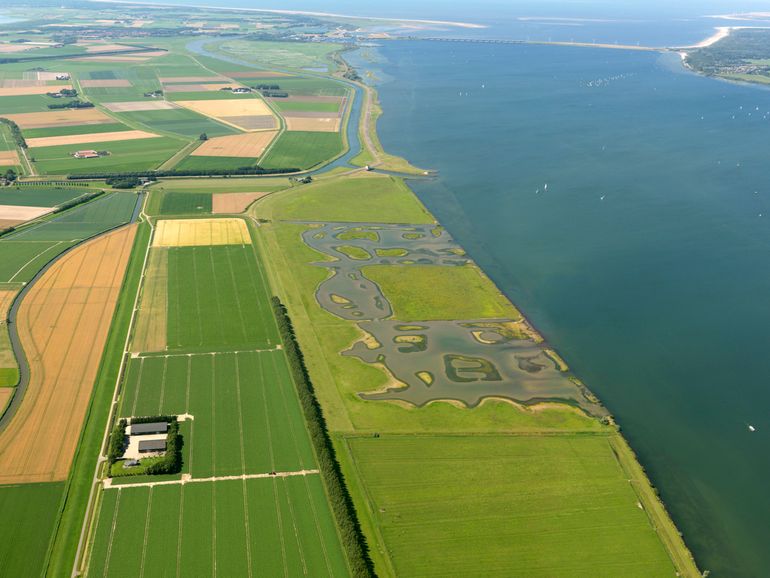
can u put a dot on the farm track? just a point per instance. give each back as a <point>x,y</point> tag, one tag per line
<point>107,483</point>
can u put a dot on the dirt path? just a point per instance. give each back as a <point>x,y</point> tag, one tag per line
<point>186,479</point>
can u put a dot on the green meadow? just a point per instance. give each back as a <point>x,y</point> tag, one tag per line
<point>41,196</point>
<point>217,300</point>
<point>303,150</point>
<point>132,155</point>
<point>504,506</point>
<point>23,545</point>
<point>370,199</point>
<point>261,527</point>
<point>24,252</point>
<point>173,203</point>
<point>432,292</point>
<point>179,121</point>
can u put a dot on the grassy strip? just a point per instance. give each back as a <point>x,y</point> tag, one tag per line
<point>15,132</point>
<point>656,511</point>
<point>342,504</point>
<point>61,556</point>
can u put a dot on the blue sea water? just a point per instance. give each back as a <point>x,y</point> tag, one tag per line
<point>645,260</point>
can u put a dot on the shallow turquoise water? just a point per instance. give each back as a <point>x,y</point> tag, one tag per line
<point>645,262</point>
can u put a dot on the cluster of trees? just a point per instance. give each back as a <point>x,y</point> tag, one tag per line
<point>117,442</point>
<point>266,87</point>
<point>172,461</point>
<point>185,173</point>
<point>341,502</point>
<point>78,201</point>
<point>123,182</point>
<point>15,132</point>
<point>10,175</point>
<point>77,103</point>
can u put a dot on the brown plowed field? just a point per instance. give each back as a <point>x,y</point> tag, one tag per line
<point>8,158</point>
<point>137,105</point>
<point>5,223</point>
<point>152,318</point>
<point>312,124</point>
<point>105,83</point>
<point>249,145</point>
<point>59,118</point>
<point>232,202</point>
<point>63,324</point>
<point>97,137</point>
<point>25,90</point>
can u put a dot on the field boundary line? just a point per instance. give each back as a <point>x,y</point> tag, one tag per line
<point>108,485</point>
<point>80,557</point>
<point>152,354</point>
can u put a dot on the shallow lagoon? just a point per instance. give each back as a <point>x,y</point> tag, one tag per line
<point>643,262</point>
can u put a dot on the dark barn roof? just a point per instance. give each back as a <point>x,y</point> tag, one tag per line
<point>147,428</point>
<point>152,445</point>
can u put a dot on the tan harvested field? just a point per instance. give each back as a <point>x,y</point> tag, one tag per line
<point>312,124</point>
<point>11,82</point>
<point>249,145</point>
<point>5,223</point>
<point>151,322</point>
<point>96,48</point>
<point>42,75</point>
<point>233,202</point>
<point>19,213</point>
<point>228,107</point>
<point>106,83</point>
<point>63,324</point>
<point>10,48</point>
<point>28,90</point>
<point>257,74</point>
<point>138,105</point>
<point>66,117</point>
<point>9,158</point>
<point>97,137</point>
<point>6,393</point>
<point>190,79</point>
<point>7,358</point>
<point>304,98</point>
<point>115,58</point>
<point>197,232</point>
<point>211,87</point>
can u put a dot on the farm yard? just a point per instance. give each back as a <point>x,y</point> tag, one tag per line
<point>250,485</point>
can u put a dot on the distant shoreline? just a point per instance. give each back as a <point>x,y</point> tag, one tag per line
<point>296,13</point>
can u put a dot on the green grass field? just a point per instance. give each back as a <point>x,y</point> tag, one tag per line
<point>262,527</point>
<point>24,252</point>
<point>70,130</point>
<point>29,514</point>
<point>132,155</point>
<point>302,150</point>
<point>278,54</point>
<point>217,299</point>
<point>172,203</point>
<point>247,418</point>
<point>365,199</point>
<point>224,185</point>
<point>28,103</point>
<point>505,506</point>
<point>288,105</point>
<point>29,196</point>
<point>433,292</point>
<point>178,121</point>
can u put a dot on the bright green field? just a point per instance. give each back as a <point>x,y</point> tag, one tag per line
<point>365,199</point>
<point>288,105</point>
<point>217,299</point>
<point>259,527</point>
<point>303,150</point>
<point>171,203</point>
<point>279,54</point>
<point>225,185</point>
<point>311,86</point>
<point>28,103</point>
<point>23,253</point>
<point>247,416</point>
<point>133,155</point>
<point>29,513</point>
<point>179,121</point>
<point>29,196</point>
<point>505,506</point>
<point>434,292</point>
<point>69,130</point>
